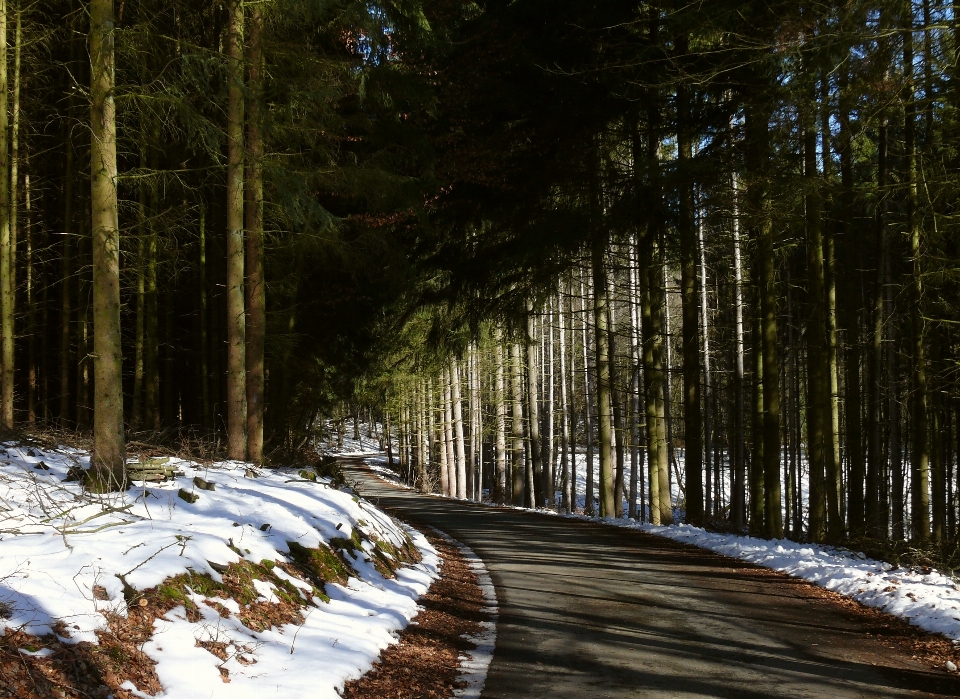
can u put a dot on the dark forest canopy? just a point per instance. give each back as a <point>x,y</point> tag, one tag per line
<point>323,202</point>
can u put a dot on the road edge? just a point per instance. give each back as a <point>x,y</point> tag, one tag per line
<point>475,664</point>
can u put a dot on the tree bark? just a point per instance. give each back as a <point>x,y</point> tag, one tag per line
<point>535,471</point>
<point>738,496</point>
<point>589,503</point>
<point>500,484</point>
<point>709,504</point>
<point>108,459</point>
<point>516,423</point>
<point>236,318</point>
<point>690,306</point>
<point>461,462</point>
<point>603,379</point>
<point>255,286</point>
<point>566,484</point>
<point>920,450</point>
<point>6,252</point>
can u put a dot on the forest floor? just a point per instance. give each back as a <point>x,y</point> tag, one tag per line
<point>594,610</point>
<point>220,580</point>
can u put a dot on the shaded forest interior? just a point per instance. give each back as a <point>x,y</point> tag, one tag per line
<point>709,247</point>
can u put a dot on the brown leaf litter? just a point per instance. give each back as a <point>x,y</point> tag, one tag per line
<point>425,663</point>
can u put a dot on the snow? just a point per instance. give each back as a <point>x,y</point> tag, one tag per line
<point>57,543</point>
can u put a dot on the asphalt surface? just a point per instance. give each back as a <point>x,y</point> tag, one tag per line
<point>588,610</point>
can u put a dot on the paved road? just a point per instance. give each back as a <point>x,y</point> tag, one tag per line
<point>593,611</point>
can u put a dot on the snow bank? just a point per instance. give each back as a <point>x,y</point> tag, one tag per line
<point>66,557</point>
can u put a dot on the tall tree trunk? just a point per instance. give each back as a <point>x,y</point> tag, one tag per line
<point>236,319</point>
<point>6,252</point>
<point>255,287</point>
<point>461,463</point>
<point>650,290</point>
<point>109,451</point>
<point>151,342</point>
<point>617,432</point>
<point>759,203</point>
<point>516,423</point>
<point>738,485</point>
<point>854,395</point>
<point>834,472</point>
<point>203,320</point>
<point>566,485</point>
<point>32,384</point>
<point>500,403</point>
<point>589,398</point>
<point>572,393</point>
<point>920,450</point>
<point>818,400</point>
<point>604,388</point>
<point>445,433</point>
<point>424,431</point>
<point>535,472</point>
<point>550,455</point>
<point>140,307</point>
<point>756,475</point>
<point>690,305</point>
<point>711,506</point>
<point>637,423</point>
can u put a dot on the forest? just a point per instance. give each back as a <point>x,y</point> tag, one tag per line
<point>700,256</point>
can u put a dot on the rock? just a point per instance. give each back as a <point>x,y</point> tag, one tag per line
<point>75,473</point>
<point>250,473</point>
<point>42,466</point>
<point>951,667</point>
<point>204,485</point>
<point>187,496</point>
<point>264,527</point>
<point>308,476</point>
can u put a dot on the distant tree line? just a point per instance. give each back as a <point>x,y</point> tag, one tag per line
<point>726,233</point>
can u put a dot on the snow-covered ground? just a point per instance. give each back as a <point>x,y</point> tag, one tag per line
<point>67,557</point>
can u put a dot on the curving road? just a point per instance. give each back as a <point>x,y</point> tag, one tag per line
<point>593,611</point>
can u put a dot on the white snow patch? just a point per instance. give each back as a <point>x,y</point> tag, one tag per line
<point>63,549</point>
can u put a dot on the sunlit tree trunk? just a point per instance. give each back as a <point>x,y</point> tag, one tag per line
<point>500,406</point>
<point>255,283</point>
<point>516,423</point>
<point>738,495</point>
<point>566,484</point>
<point>109,452</point>
<point>589,398</point>
<point>604,387</point>
<point>448,458</point>
<point>617,433</point>
<point>534,478</point>
<point>707,377</point>
<point>236,318</point>
<point>6,251</point>
<point>461,457</point>
<point>549,372</point>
